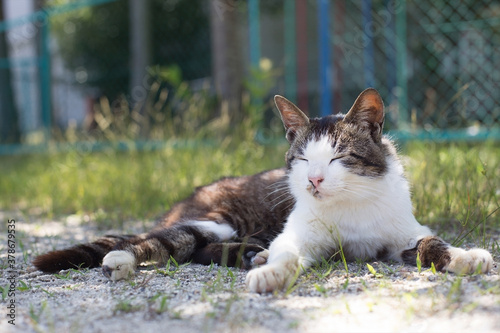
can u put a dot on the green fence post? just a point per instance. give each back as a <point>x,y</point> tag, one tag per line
<point>403,112</point>
<point>254,27</point>
<point>254,43</point>
<point>45,84</point>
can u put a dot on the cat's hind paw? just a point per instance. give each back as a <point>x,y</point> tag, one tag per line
<point>269,278</point>
<point>468,262</point>
<point>118,265</point>
<point>256,259</point>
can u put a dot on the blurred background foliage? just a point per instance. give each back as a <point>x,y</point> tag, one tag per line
<point>161,69</point>
<point>95,39</point>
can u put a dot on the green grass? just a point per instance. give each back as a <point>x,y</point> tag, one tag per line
<point>117,186</point>
<point>456,188</point>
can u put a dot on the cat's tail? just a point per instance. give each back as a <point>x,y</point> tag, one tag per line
<point>79,256</point>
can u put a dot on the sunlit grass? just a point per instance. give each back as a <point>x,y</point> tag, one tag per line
<point>133,185</point>
<point>456,188</point>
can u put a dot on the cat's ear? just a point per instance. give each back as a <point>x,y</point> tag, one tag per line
<point>368,111</point>
<point>292,117</point>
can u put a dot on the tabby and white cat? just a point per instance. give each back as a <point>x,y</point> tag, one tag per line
<point>343,191</point>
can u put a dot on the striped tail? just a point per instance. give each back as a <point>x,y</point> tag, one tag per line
<point>80,256</point>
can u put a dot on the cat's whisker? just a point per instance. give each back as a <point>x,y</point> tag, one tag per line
<point>362,186</point>
<point>278,188</point>
<point>282,201</point>
<point>365,190</point>
<point>361,190</point>
<point>278,183</point>
<point>290,205</point>
<point>282,188</point>
<point>280,196</point>
<point>368,196</point>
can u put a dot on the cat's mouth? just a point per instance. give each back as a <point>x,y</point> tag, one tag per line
<point>314,192</point>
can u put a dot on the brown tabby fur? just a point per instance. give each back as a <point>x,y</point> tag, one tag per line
<point>256,206</point>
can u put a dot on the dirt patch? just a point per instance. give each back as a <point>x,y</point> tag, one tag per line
<point>194,298</point>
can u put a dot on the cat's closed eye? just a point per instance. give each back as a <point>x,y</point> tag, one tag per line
<point>302,159</point>
<point>337,158</point>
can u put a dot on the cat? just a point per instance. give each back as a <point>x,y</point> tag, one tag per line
<point>342,194</point>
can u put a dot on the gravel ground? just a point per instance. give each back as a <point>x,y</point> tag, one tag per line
<point>196,298</point>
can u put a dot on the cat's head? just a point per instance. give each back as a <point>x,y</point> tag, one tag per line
<point>328,156</point>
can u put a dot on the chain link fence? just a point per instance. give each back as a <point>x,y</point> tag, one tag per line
<point>436,63</point>
<point>455,56</point>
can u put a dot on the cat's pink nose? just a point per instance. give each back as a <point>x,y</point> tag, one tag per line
<point>315,181</point>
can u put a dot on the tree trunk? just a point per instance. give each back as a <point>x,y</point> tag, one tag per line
<point>140,52</point>
<point>9,127</point>
<point>140,46</point>
<point>227,66</point>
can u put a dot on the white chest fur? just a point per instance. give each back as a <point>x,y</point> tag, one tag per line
<point>361,215</point>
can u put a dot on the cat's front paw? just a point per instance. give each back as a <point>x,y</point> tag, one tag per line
<point>268,278</point>
<point>118,265</point>
<point>468,262</point>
